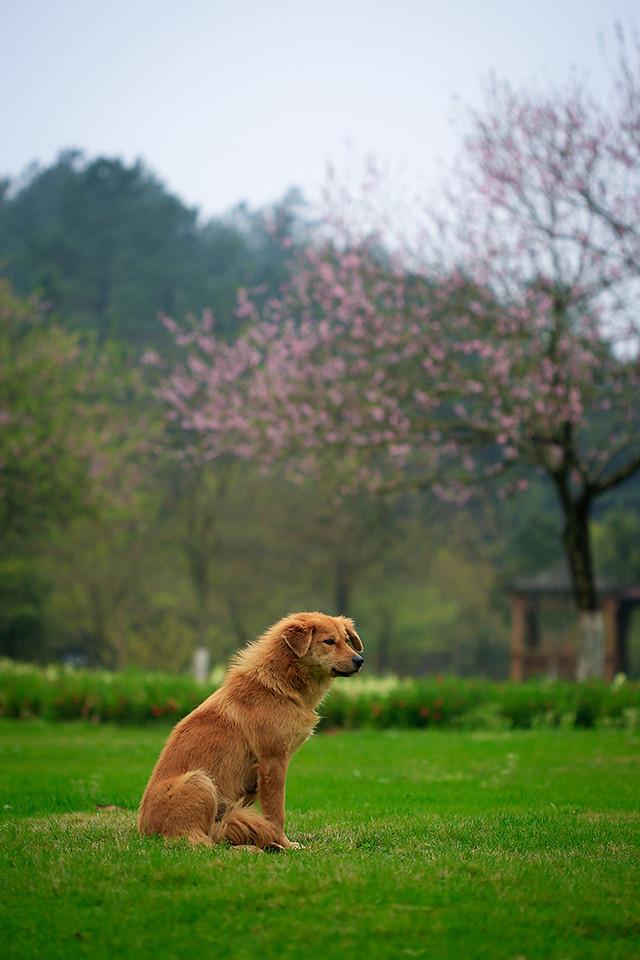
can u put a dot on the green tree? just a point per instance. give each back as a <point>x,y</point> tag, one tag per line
<point>109,248</point>
<point>74,445</point>
<point>44,461</point>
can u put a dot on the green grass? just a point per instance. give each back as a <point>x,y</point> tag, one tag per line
<point>417,844</point>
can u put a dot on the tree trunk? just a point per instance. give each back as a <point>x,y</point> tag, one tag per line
<point>591,638</point>
<point>200,520</point>
<point>198,562</point>
<point>591,630</point>
<point>383,653</point>
<point>342,587</point>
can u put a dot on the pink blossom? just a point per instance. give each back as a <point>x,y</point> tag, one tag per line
<point>151,358</point>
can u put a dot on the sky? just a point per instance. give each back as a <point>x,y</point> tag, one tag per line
<point>230,101</point>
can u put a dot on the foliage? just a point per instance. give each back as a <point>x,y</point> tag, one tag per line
<point>44,466</point>
<point>476,704</point>
<point>66,410</point>
<point>109,248</point>
<point>442,844</point>
<point>74,450</point>
<point>505,346</point>
<point>520,354</point>
<point>510,352</point>
<point>65,693</point>
<point>617,545</point>
<point>23,593</point>
<point>134,697</point>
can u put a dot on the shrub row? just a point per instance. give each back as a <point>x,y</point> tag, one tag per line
<point>482,704</point>
<point>63,693</point>
<point>134,697</point>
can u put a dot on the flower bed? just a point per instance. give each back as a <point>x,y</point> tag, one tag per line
<point>134,697</point>
<point>64,693</point>
<point>477,704</point>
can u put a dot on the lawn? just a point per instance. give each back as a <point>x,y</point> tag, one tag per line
<point>435,844</point>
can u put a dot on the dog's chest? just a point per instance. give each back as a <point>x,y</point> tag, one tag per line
<point>304,731</point>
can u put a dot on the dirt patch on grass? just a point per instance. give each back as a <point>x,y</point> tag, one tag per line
<point>101,821</point>
<point>615,816</point>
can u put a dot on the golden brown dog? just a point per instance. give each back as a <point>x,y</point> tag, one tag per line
<point>235,747</point>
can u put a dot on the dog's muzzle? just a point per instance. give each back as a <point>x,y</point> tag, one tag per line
<point>357,663</point>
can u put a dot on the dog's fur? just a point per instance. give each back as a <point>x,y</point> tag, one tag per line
<point>235,747</point>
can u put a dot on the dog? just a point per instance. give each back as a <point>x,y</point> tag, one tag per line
<point>235,747</point>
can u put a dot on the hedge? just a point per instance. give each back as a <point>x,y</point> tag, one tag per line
<point>134,697</point>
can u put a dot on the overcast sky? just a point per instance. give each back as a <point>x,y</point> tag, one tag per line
<point>237,100</point>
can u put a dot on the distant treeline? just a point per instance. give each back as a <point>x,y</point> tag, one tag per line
<point>108,248</point>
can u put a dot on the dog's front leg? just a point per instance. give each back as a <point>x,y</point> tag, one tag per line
<point>272,775</point>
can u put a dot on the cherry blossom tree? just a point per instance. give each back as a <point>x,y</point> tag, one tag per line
<point>504,343</point>
<point>547,214</point>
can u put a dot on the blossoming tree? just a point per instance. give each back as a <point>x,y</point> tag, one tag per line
<point>509,345</point>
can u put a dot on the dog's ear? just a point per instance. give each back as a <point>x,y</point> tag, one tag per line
<point>354,639</point>
<point>297,635</point>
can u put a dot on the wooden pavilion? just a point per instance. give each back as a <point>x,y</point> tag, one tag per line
<point>544,634</point>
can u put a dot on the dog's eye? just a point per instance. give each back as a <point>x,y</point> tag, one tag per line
<point>330,642</point>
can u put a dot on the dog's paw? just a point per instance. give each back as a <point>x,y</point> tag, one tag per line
<point>283,848</point>
<point>289,844</point>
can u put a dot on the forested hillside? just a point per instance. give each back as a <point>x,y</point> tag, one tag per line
<point>118,549</point>
<point>108,249</point>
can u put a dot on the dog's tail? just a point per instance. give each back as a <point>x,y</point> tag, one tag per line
<point>241,827</point>
<point>187,806</point>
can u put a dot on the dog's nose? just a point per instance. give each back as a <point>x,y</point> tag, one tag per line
<point>358,661</point>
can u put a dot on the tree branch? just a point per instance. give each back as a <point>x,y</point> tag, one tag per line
<point>618,476</point>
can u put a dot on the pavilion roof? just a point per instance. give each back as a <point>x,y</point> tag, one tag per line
<point>556,581</point>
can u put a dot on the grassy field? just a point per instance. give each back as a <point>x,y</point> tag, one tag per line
<point>417,844</point>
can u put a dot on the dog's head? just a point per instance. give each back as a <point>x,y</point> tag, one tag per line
<point>325,645</point>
